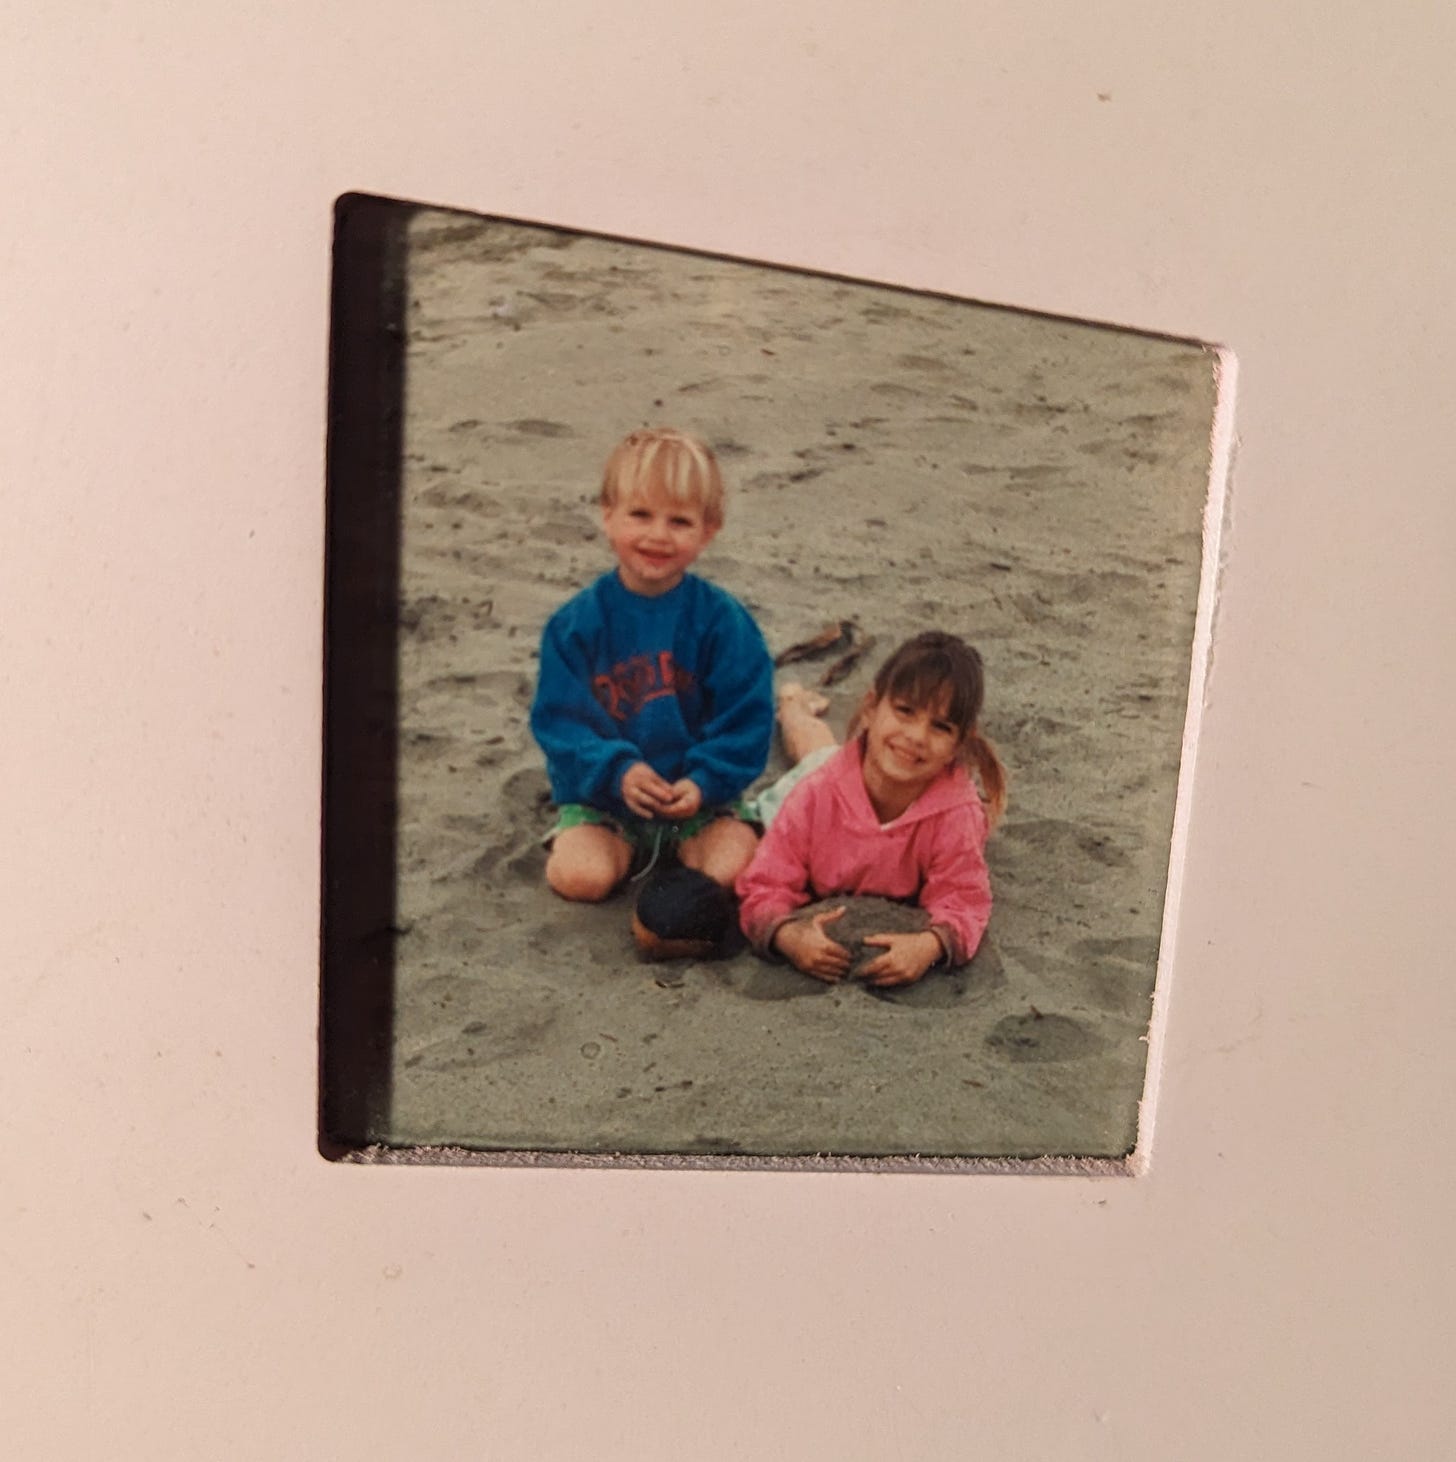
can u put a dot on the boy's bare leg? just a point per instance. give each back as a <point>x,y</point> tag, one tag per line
<point>722,850</point>
<point>801,721</point>
<point>587,862</point>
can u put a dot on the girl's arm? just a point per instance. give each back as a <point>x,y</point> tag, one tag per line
<point>957,888</point>
<point>776,882</point>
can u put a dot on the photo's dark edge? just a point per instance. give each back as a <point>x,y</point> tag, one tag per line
<point>362,546</point>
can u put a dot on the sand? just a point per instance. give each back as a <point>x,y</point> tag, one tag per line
<point>1035,485</point>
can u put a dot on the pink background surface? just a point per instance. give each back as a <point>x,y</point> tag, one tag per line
<point>181,1275</point>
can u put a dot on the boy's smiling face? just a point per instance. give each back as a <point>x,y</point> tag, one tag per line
<point>656,540</point>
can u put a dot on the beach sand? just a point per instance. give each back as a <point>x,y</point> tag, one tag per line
<point>904,460</point>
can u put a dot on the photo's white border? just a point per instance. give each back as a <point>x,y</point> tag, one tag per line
<point>192,1276</point>
<point>1215,522</point>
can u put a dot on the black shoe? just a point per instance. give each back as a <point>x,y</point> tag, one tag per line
<point>684,914</point>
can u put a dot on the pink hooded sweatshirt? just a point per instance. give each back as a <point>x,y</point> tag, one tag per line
<point>827,840</point>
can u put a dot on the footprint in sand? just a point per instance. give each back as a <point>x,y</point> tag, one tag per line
<point>780,982</point>
<point>931,364</point>
<point>565,531</point>
<point>1038,1036</point>
<point>898,391</point>
<point>523,809</point>
<point>1137,950</point>
<point>532,426</point>
<point>1061,850</point>
<point>497,685</point>
<point>1118,973</point>
<point>482,1042</point>
<point>426,618</point>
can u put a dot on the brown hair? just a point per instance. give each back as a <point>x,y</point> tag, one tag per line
<point>935,666</point>
<point>664,460</point>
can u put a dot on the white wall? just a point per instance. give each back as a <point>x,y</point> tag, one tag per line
<point>181,1275</point>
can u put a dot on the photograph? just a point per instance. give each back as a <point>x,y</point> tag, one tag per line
<point>756,702</point>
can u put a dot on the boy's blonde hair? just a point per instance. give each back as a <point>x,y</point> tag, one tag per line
<point>663,460</point>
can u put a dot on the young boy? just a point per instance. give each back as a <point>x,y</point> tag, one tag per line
<point>655,704</point>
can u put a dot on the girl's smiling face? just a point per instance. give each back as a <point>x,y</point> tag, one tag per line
<point>906,748</point>
<point>656,540</point>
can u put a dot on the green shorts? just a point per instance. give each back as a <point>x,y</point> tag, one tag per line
<point>646,837</point>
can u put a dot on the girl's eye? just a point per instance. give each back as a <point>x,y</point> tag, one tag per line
<point>944,727</point>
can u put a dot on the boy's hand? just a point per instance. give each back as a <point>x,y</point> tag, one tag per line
<point>807,947</point>
<point>906,958</point>
<point>645,793</point>
<point>686,798</point>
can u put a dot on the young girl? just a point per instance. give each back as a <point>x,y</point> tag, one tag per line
<point>893,812</point>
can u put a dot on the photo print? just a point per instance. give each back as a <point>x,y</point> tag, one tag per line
<point>894,462</point>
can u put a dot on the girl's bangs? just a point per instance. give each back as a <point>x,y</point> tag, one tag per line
<point>929,682</point>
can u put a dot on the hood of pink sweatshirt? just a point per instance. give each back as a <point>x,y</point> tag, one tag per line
<point>844,773</point>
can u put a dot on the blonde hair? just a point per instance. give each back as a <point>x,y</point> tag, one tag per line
<point>662,460</point>
<point>936,666</point>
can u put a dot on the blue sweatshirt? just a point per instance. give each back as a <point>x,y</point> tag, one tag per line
<point>681,680</point>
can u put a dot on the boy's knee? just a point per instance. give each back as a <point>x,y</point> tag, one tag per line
<point>722,850</point>
<point>579,883</point>
<point>585,865</point>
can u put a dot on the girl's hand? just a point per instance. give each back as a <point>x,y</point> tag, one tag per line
<point>644,792</point>
<point>686,797</point>
<point>807,947</point>
<point>906,958</point>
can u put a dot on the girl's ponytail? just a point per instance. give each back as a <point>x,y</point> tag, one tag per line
<point>981,756</point>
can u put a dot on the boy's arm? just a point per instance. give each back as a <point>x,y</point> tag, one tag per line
<point>737,680</point>
<point>957,888</point>
<point>586,756</point>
